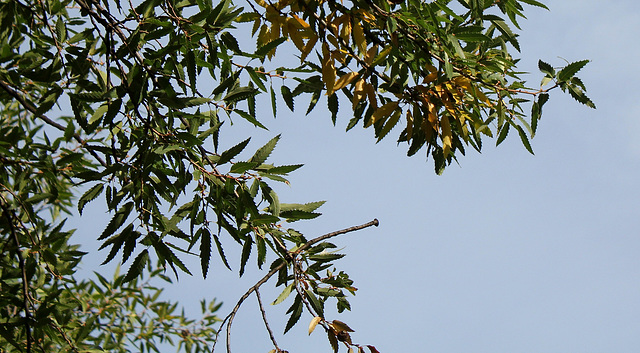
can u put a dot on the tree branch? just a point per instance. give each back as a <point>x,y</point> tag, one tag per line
<point>27,105</point>
<point>266,323</point>
<point>229,318</point>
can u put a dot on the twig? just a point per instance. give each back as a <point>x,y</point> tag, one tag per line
<point>266,323</point>
<point>229,318</point>
<point>27,105</point>
<point>313,241</point>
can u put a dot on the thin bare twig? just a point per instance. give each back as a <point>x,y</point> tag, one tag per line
<point>229,318</point>
<point>266,323</point>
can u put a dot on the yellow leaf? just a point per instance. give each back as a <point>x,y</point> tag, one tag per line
<point>446,135</point>
<point>409,124</point>
<point>294,34</point>
<point>368,58</point>
<point>382,113</point>
<point>371,94</point>
<point>308,47</point>
<point>328,68</point>
<point>358,36</point>
<point>358,93</point>
<point>314,322</point>
<point>300,22</point>
<point>343,81</point>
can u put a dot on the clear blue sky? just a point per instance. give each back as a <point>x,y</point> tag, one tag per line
<point>507,252</point>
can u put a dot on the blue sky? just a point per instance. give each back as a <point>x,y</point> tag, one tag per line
<point>507,252</point>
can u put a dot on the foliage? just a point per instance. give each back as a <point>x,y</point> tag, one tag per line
<point>150,87</point>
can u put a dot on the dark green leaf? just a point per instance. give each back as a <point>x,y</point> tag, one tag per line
<point>205,251</point>
<point>138,265</point>
<point>570,70</point>
<point>229,154</point>
<point>246,251</point>
<point>296,312</point>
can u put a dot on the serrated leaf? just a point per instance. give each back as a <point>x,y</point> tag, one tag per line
<point>246,252</point>
<point>578,94</point>
<point>273,101</point>
<point>296,312</point>
<point>228,155</point>
<point>239,93</point>
<point>285,169</point>
<point>118,219</point>
<point>503,134</point>
<point>89,196</point>
<point>183,102</point>
<point>307,207</point>
<point>570,70</point>
<point>332,104</point>
<point>268,47</point>
<point>524,138</point>
<point>263,152</point>
<point>221,251</point>
<point>287,96</point>
<point>137,266</point>
<point>535,3</point>
<point>546,68</point>
<point>284,294</point>
<point>205,251</point>
<point>333,340</point>
<point>316,304</point>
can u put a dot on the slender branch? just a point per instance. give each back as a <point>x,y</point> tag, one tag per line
<point>229,318</point>
<point>25,284</point>
<point>27,105</point>
<point>232,314</point>
<point>266,323</point>
<point>313,241</point>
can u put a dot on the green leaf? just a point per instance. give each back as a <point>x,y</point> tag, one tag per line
<point>205,250</point>
<point>118,219</point>
<point>296,312</point>
<point>503,134</point>
<point>284,169</point>
<point>263,152</point>
<point>546,68</point>
<point>239,93</point>
<point>316,304</point>
<point>472,37</point>
<point>287,96</point>
<point>535,3</point>
<point>221,251</point>
<point>246,251</point>
<point>570,70</point>
<point>285,293</point>
<point>229,154</point>
<point>524,138</point>
<point>183,102</point>
<point>332,104</point>
<point>266,48</point>
<point>138,265</point>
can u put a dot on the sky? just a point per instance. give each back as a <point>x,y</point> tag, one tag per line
<point>506,252</point>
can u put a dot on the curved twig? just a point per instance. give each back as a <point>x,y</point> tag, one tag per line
<point>229,318</point>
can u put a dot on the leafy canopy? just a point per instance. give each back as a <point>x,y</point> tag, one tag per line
<point>125,102</point>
